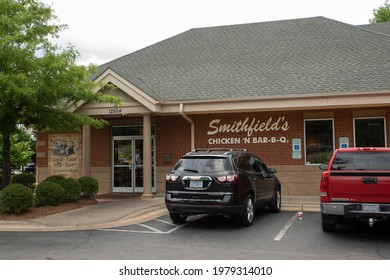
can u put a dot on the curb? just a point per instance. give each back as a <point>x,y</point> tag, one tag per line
<point>139,216</point>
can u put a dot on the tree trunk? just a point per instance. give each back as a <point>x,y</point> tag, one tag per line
<point>6,161</point>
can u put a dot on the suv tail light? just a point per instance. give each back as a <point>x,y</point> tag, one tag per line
<point>324,184</point>
<point>227,178</point>
<point>171,177</point>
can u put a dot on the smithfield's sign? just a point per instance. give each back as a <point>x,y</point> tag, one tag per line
<point>251,129</point>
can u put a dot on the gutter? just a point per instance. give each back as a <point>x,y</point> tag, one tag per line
<point>181,112</point>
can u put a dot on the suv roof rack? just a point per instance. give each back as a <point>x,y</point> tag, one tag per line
<point>217,149</point>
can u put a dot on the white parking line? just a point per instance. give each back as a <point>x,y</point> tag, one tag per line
<point>125,230</point>
<point>165,222</point>
<point>286,227</point>
<point>152,229</point>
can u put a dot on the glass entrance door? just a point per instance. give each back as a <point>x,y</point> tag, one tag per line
<point>128,164</point>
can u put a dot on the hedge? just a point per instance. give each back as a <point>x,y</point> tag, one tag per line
<point>27,179</point>
<point>72,188</point>
<point>89,186</point>
<point>49,193</point>
<point>16,198</point>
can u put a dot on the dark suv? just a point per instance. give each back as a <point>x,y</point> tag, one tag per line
<point>225,182</point>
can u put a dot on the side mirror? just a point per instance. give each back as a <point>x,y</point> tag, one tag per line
<point>324,166</point>
<point>272,171</point>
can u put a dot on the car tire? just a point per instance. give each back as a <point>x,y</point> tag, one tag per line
<point>276,203</point>
<point>328,225</point>
<point>248,214</point>
<point>178,218</point>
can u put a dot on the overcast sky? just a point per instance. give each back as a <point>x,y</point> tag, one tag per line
<point>104,30</point>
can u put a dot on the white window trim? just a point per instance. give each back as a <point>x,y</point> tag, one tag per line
<point>365,118</point>
<point>304,136</point>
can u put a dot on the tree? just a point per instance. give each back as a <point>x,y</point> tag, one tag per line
<point>22,148</point>
<point>39,81</point>
<point>382,14</point>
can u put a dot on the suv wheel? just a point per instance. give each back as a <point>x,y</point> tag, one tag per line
<point>276,203</point>
<point>248,214</point>
<point>178,218</point>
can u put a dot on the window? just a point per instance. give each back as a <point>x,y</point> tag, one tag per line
<point>243,162</point>
<point>318,140</point>
<point>370,132</point>
<point>362,161</point>
<point>201,165</point>
<point>259,166</point>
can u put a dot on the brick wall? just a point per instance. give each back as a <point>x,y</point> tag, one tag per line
<point>173,136</point>
<point>101,147</point>
<point>173,139</point>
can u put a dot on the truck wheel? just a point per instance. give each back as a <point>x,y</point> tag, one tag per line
<point>248,214</point>
<point>178,218</point>
<point>328,225</point>
<point>276,203</point>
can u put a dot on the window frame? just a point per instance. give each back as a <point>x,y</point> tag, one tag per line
<point>304,136</point>
<point>365,118</point>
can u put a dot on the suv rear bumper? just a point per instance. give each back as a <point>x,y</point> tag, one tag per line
<point>193,209</point>
<point>357,210</point>
<point>203,205</point>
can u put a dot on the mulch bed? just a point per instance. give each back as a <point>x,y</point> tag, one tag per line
<point>38,212</point>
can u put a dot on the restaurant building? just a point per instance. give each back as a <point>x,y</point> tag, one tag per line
<point>290,91</point>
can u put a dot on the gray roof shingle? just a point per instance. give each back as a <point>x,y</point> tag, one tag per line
<point>383,27</point>
<point>302,56</point>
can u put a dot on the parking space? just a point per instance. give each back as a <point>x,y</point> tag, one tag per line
<point>276,227</point>
<point>280,224</point>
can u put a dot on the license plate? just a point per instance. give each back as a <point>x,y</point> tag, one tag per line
<point>372,208</point>
<point>196,184</point>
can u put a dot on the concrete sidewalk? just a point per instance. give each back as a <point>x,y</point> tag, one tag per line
<point>115,212</point>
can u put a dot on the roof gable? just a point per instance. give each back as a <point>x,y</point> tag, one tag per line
<point>134,100</point>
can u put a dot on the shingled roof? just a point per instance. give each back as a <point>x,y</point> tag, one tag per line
<point>383,27</point>
<point>280,58</point>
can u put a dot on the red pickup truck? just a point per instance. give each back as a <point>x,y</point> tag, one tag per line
<point>355,185</point>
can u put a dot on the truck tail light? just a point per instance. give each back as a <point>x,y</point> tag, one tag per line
<point>324,184</point>
<point>367,149</point>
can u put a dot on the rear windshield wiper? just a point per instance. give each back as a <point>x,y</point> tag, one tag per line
<point>191,170</point>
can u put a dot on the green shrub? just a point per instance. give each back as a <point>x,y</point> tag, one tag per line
<point>49,193</point>
<point>27,179</point>
<point>72,188</point>
<point>16,198</point>
<point>89,186</point>
<point>55,178</point>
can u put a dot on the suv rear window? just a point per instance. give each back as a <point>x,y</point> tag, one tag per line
<point>362,161</point>
<point>203,164</point>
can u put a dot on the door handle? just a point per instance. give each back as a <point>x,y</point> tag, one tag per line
<point>370,180</point>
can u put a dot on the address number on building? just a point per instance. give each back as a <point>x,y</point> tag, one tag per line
<point>115,111</point>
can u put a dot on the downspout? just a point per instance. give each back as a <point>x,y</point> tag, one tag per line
<point>181,112</point>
